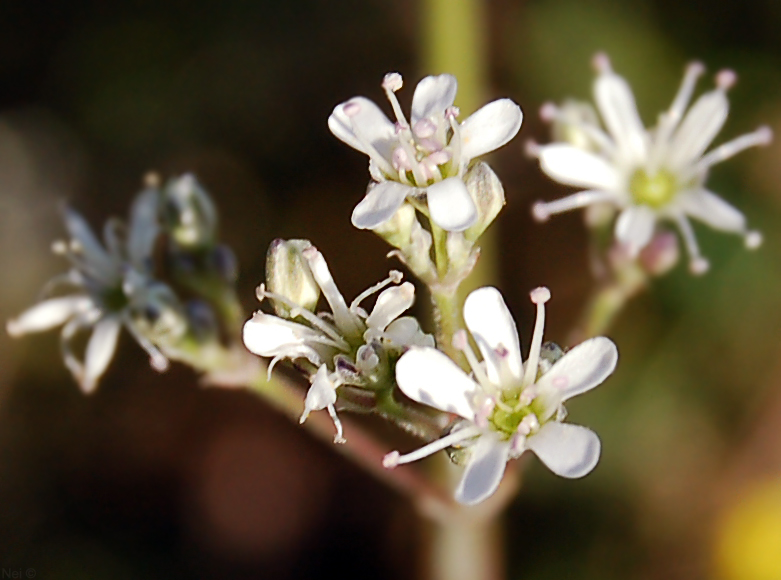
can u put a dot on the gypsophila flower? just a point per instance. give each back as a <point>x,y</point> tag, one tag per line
<point>506,406</point>
<point>110,287</point>
<point>425,158</point>
<point>347,346</point>
<point>648,175</point>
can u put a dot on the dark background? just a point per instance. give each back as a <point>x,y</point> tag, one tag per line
<point>156,477</point>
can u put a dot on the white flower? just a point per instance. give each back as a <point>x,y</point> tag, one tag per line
<point>427,155</point>
<point>109,286</point>
<point>649,174</point>
<point>346,344</point>
<point>507,406</point>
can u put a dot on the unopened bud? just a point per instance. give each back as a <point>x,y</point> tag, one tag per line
<point>288,274</point>
<point>571,123</point>
<point>188,213</point>
<point>403,231</point>
<point>487,193</point>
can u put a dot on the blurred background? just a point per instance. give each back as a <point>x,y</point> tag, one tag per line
<point>154,476</point>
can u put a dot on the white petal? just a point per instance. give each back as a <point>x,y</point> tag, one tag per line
<point>48,314</point>
<point>450,205</point>
<point>579,370</point>
<point>700,126</point>
<point>144,228</point>
<point>390,304</point>
<point>567,450</point>
<point>489,320</point>
<point>271,336</point>
<point>618,109</point>
<point>100,350</point>
<point>489,128</point>
<point>432,96</point>
<point>321,394</point>
<point>712,210</point>
<point>428,376</point>
<point>406,331</point>
<point>95,255</point>
<point>635,227</point>
<point>380,204</point>
<point>372,125</point>
<point>484,471</point>
<point>573,166</point>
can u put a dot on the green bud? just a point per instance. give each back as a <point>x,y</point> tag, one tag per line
<point>288,274</point>
<point>487,193</point>
<point>189,214</point>
<point>403,231</point>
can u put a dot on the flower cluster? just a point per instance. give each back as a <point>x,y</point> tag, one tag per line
<point>506,406</point>
<point>119,283</point>
<point>346,346</point>
<point>647,174</point>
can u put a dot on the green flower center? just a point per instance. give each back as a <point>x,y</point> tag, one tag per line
<point>654,191</point>
<point>507,421</point>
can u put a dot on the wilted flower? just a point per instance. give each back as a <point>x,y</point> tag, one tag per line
<point>506,406</point>
<point>647,174</point>
<point>347,345</point>
<point>427,155</point>
<point>110,287</point>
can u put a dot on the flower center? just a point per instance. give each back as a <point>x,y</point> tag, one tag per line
<point>506,418</point>
<point>654,191</point>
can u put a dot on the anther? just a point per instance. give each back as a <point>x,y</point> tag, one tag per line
<point>392,82</point>
<point>764,135</point>
<point>452,112</point>
<point>540,295</point>
<point>391,460</point>
<point>424,129</point>
<point>695,68</point>
<point>531,148</point>
<point>726,79</point>
<point>540,211</point>
<point>753,240</point>
<point>351,108</point>
<point>548,112</point>
<point>601,62</point>
<point>59,247</point>
<point>460,341</point>
<point>698,266</point>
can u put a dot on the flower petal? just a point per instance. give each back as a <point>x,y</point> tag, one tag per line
<point>406,331</point>
<point>390,304</point>
<point>380,204</point>
<point>321,394</point>
<point>100,350</point>
<point>712,210</point>
<point>618,109</point>
<point>573,166</point>
<point>579,370</point>
<point>144,228</point>
<point>450,204</point>
<point>484,471</point>
<point>48,314</point>
<point>635,227</point>
<point>372,125</point>
<point>567,450</point>
<point>699,127</point>
<point>432,96</point>
<point>98,262</point>
<point>428,376</point>
<point>489,128</point>
<point>489,320</point>
<point>271,336</point>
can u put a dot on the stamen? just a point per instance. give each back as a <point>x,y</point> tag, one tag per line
<point>394,277</point>
<point>527,396</point>
<point>532,148</point>
<point>394,459</point>
<point>697,264</point>
<point>539,296</point>
<point>762,136</point>
<point>401,161</point>
<point>528,424</point>
<point>339,437</point>
<point>311,318</point>
<point>542,210</point>
<point>424,129</point>
<point>461,342</point>
<point>157,359</point>
<point>455,141</point>
<point>549,112</point>
<point>481,417</point>
<point>390,84</point>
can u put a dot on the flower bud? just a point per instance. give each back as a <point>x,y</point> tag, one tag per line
<point>288,274</point>
<point>188,213</point>
<point>487,193</point>
<point>403,231</point>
